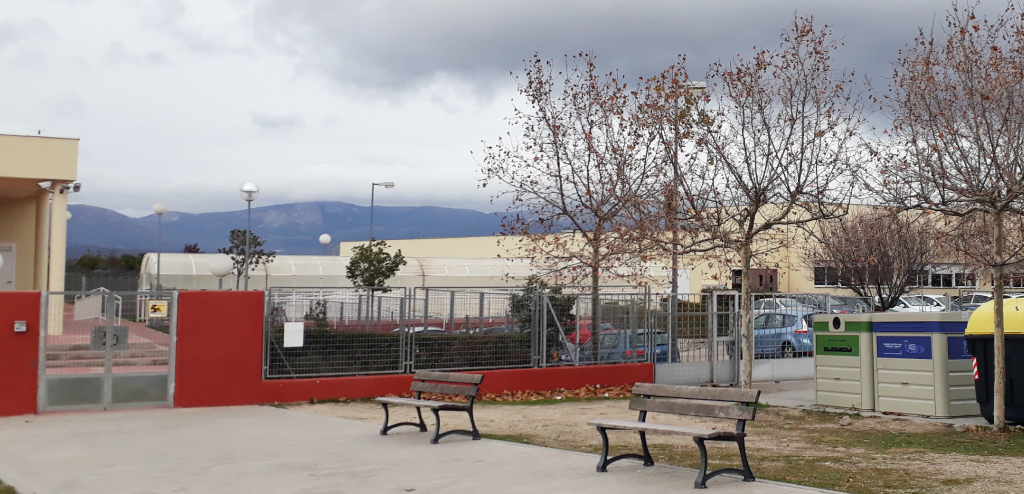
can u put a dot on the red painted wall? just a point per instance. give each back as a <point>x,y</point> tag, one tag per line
<point>220,358</point>
<point>19,353</point>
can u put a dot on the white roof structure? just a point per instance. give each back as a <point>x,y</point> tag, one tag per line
<point>192,272</point>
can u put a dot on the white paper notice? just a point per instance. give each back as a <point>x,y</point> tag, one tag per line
<point>293,332</point>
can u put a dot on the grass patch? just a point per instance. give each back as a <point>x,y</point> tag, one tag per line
<point>6,489</point>
<point>547,401</point>
<point>512,438</point>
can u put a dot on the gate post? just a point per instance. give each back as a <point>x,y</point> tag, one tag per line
<point>713,337</point>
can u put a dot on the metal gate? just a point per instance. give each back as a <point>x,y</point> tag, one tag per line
<point>101,350</point>
<point>702,331</point>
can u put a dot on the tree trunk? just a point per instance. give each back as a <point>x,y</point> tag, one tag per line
<point>595,300</point>
<point>746,321</point>
<point>998,339</point>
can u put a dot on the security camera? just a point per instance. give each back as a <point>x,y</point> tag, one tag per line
<point>77,187</point>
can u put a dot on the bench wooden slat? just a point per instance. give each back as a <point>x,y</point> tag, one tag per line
<point>698,393</point>
<point>679,407</point>
<point>412,402</point>
<point>664,428</point>
<point>452,389</point>
<point>452,377</point>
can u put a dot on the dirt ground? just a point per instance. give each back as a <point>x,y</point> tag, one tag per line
<point>871,455</point>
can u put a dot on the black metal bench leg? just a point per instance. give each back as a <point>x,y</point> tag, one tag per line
<point>648,461</point>
<point>423,425</point>
<point>748,474</point>
<point>472,423</point>
<point>384,429</point>
<point>602,464</point>
<point>437,426</point>
<point>701,481</point>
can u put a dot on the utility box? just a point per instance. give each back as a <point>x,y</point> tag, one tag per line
<point>844,373</point>
<point>922,364</point>
<point>981,342</point>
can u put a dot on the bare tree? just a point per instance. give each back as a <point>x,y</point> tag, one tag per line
<point>956,142</point>
<point>575,165</point>
<point>781,151</point>
<point>668,110</point>
<point>875,253</point>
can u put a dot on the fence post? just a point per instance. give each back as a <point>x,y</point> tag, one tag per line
<point>480,323</point>
<point>451,312</point>
<point>426,306</point>
<point>713,337</point>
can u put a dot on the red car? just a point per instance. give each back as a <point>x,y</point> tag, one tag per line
<point>585,332</point>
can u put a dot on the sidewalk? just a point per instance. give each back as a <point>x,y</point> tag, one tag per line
<point>269,450</point>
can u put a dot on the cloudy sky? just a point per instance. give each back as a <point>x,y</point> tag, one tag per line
<point>181,102</point>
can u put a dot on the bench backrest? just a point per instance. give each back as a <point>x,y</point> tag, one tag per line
<point>446,383</point>
<point>723,403</point>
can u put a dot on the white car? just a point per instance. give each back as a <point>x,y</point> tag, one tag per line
<point>935,301</point>
<point>910,303</point>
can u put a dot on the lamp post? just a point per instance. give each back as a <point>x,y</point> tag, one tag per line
<point>325,240</point>
<point>249,192</point>
<point>220,266</point>
<point>386,185</point>
<point>160,210</point>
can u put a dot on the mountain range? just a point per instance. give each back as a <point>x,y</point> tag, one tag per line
<point>286,228</point>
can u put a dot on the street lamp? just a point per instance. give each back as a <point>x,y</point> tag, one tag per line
<point>386,185</point>
<point>249,192</point>
<point>160,210</point>
<point>325,240</point>
<point>220,266</point>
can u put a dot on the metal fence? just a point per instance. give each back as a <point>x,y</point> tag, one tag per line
<point>692,338</point>
<point>312,332</point>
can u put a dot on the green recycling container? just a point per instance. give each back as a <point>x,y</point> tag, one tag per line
<point>844,372</point>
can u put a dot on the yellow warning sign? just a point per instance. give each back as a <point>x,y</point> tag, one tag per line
<point>157,308</point>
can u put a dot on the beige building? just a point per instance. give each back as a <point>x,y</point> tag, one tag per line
<point>782,271</point>
<point>36,175</point>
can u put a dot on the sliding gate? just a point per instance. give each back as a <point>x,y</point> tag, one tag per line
<point>702,330</point>
<point>101,350</point>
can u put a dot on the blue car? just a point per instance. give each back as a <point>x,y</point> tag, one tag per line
<point>781,334</point>
<point>620,345</point>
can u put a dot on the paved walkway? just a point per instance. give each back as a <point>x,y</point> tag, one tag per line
<point>269,450</point>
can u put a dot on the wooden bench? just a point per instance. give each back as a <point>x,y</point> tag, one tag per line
<point>722,403</point>
<point>437,382</point>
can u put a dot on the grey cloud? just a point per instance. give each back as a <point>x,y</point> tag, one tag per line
<point>117,53</point>
<point>395,47</point>
<point>17,32</point>
<point>278,123</point>
<point>68,106</point>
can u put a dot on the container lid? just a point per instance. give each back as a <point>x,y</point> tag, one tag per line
<point>982,320</point>
<point>921,322</point>
<point>843,323</point>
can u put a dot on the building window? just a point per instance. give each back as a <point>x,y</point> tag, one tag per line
<point>826,276</point>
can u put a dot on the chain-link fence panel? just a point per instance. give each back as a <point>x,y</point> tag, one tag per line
<point>313,332</point>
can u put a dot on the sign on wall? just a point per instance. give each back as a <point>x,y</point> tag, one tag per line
<point>912,347</point>
<point>293,334</point>
<point>157,308</point>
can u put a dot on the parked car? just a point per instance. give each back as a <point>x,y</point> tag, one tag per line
<point>781,304</point>
<point>584,333</point>
<point>833,303</point>
<point>912,303</point>
<point>421,330</point>
<point>620,345</point>
<point>936,301</point>
<point>971,301</point>
<point>782,334</point>
<point>500,330</point>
